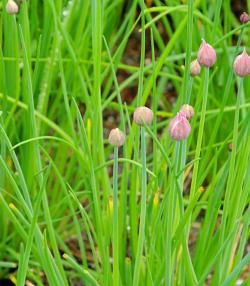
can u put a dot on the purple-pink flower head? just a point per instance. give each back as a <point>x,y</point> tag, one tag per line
<point>116,137</point>
<point>143,115</point>
<point>179,127</point>
<point>241,64</point>
<point>206,55</point>
<point>244,18</point>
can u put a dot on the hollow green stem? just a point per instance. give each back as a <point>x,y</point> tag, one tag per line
<point>200,133</point>
<point>115,221</point>
<point>141,238</point>
<point>170,206</point>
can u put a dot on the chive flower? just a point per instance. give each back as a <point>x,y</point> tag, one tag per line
<point>195,68</point>
<point>12,7</point>
<point>179,127</point>
<point>116,137</point>
<point>206,55</point>
<point>241,64</point>
<point>143,115</point>
<point>244,18</point>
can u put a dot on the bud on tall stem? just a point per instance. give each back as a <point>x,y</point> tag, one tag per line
<point>116,137</point>
<point>143,115</point>
<point>206,55</point>
<point>179,127</point>
<point>241,64</point>
<point>195,68</point>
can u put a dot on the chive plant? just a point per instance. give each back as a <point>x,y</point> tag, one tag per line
<point>180,200</point>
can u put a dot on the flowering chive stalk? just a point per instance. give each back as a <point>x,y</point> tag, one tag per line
<point>207,58</point>
<point>142,115</point>
<point>117,139</point>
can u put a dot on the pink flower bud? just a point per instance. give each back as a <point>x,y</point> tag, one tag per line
<point>206,55</point>
<point>11,7</point>
<point>195,68</point>
<point>116,137</point>
<point>241,64</point>
<point>244,18</point>
<point>143,115</point>
<point>179,127</point>
<point>187,110</point>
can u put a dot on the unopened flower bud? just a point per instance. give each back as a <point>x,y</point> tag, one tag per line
<point>206,55</point>
<point>195,68</point>
<point>179,127</point>
<point>187,110</point>
<point>116,137</point>
<point>11,7</point>
<point>244,18</point>
<point>241,64</point>
<point>143,115</point>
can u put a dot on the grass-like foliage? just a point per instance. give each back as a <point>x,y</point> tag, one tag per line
<point>76,210</point>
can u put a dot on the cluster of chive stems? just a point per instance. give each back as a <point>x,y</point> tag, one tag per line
<point>179,129</point>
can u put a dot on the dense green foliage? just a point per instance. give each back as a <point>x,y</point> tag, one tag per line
<point>66,69</point>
